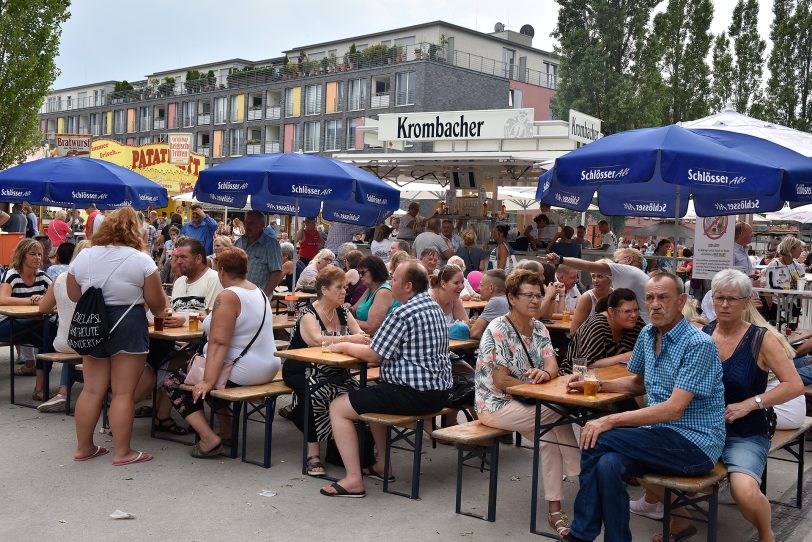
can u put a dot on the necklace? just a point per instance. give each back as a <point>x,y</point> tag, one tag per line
<point>332,316</point>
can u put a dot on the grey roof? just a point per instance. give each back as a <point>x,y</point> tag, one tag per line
<point>102,83</point>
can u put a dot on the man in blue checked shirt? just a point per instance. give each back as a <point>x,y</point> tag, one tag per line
<point>412,348</point>
<point>680,432</point>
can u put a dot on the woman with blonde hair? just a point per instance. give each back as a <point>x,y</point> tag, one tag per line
<point>783,271</point>
<point>221,242</point>
<point>128,278</point>
<point>322,259</point>
<point>237,229</point>
<point>58,229</point>
<point>472,255</point>
<point>396,259</point>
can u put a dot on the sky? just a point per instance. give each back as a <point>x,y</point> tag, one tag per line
<point>128,39</point>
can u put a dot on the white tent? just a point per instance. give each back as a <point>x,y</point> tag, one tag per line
<point>420,190</point>
<point>801,214</point>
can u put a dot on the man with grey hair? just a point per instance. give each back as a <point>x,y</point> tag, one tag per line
<point>567,286</point>
<point>342,251</point>
<point>399,244</point>
<point>264,254</point>
<point>431,238</point>
<point>429,258</point>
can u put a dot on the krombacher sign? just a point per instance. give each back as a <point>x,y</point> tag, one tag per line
<point>449,125</point>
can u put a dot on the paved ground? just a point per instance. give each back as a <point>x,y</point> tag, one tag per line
<point>48,496</point>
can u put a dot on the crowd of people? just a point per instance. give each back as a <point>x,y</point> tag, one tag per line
<point>706,376</point>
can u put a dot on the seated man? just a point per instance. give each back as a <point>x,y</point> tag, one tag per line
<point>567,286</point>
<point>193,291</point>
<point>492,290</point>
<point>681,431</point>
<point>566,245</point>
<point>412,347</point>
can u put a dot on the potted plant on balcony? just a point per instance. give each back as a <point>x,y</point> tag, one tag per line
<point>331,62</point>
<point>400,53</point>
<point>351,57</point>
<point>374,55</point>
<point>418,51</point>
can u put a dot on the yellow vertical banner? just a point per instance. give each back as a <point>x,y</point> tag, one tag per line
<point>109,129</point>
<point>131,120</point>
<point>60,125</point>
<point>240,107</point>
<point>332,93</point>
<point>296,109</point>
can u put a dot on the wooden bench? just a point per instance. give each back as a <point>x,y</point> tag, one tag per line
<point>406,429</point>
<point>479,442</point>
<point>373,375</point>
<point>73,362</point>
<point>793,442</point>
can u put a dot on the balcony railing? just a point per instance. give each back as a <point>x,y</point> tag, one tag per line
<point>255,113</point>
<point>404,97</point>
<point>253,148</point>
<point>368,58</point>
<point>95,129</point>
<point>379,100</point>
<point>159,124</point>
<point>356,103</point>
<point>273,112</point>
<point>203,149</point>
<point>333,143</point>
<point>272,146</point>
<point>203,119</point>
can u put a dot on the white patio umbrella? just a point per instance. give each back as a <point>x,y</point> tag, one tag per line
<point>691,214</point>
<point>420,190</point>
<point>799,214</point>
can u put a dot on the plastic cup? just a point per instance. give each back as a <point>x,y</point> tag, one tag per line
<point>158,324</point>
<point>326,342</point>
<point>565,317</point>
<point>579,367</point>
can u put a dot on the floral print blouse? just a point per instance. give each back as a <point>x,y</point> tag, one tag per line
<point>500,346</point>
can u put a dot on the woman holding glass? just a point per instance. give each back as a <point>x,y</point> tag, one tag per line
<point>323,323</point>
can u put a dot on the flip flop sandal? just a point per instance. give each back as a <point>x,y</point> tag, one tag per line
<point>341,492</point>
<point>315,467</point>
<point>375,475</point>
<point>140,458</point>
<point>198,453</point>
<point>561,525</point>
<point>99,451</point>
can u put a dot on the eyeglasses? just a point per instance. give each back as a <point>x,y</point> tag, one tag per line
<point>723,299</point>
<point>528,295</point>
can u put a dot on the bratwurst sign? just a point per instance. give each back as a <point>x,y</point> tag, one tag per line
<point>457,125</point>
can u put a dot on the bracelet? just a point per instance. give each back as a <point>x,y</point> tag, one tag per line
<point>560,260</point>
<point>548,373</point>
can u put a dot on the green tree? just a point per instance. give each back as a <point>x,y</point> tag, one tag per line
<point>681,40</point>
<point>782,85</point>
<point>749,53</point>
<point>722,88</point>
<point>29,42</point>
<point>603,69</point>
<point>803,13</point>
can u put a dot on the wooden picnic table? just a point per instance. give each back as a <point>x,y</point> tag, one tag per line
<point>281,321</point>
<point>557,325</point>
<point>573,407</point>
<point>21,311</point>
<point>471,304</point>
<point>303,296</point>
<point>25,312</point>
<point>181,333</point>
<point>462,344</point>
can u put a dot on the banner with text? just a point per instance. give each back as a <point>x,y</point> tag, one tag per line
<point>180,149</point>
<point>457,125</point>
<point>713,245</point>
<point>72,145</point>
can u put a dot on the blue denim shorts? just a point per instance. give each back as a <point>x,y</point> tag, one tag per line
<point>746,454</point>
<point>131,336</point>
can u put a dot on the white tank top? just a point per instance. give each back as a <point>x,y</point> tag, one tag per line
<point>260,364</point>
<point>64,308</point>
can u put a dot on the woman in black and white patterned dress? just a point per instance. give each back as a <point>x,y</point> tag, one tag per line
<point>326,314</point>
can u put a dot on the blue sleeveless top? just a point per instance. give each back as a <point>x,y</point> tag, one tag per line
<point>743,378</point>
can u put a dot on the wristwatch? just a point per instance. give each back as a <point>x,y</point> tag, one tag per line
<point>759,402</point>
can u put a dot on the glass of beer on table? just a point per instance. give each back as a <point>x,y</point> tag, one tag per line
<point>591,385</point>
<point>194,323</point>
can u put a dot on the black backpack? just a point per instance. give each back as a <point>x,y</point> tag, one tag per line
<point>90,324</point>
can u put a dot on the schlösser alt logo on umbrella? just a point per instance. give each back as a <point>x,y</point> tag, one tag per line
<point>221,198</point>
<point>148,197</point>
<point>803,190</point>
<point>89,195</point>
<point>546,187</point>
<point>737,205</point>
<point>604,173</point>
<point>349,217</point>
<point>306,190</point>
<point>231,186</point>
<point>16,192</point>
<point>570,199</point>
<point>653,207</point>
<point>284,208</point>
<point>710,177</point>
<point>376,199</point>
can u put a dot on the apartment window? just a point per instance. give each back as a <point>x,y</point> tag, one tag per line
<point>509,56</point>
<point>292,102</point>
<point>189,112</point>
<point>515,99</point>
<point>104,128</point>
<point>81,99</point>
<point>312,99</point>
<point>357,94</point>
<point>404,88</point>
<point>332,135</point>
<point>144,122</point>
<point>551,71</point>
<point>98,97</point>
<point>351,124</point>
<point>144,140</point>
<point>380,91</point>
<point>70,124</point>
<point>70,102</point>
<point>235,141</point>
<point>118,121</point>
<point>51,105</point>
<point>94,124</point>
<point>220,110</point>
<point>235,108</point>
<point>312,133</point>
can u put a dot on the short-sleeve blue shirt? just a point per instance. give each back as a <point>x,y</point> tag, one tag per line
<point>690,361</point>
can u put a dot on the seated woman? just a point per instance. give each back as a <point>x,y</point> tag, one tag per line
<point>325,315</point>
<point>472,256</point>
<point>355,286</point>
<point>288,265</point>
<point>307,279</point>
<point>61,260</point>
<point>468,291</point>
<point>516,349</point>
<point>220,242</point>
<point>500,255</point>
<point>445,289</point>
<point>377,301</point>
<point>608,336</point>
<point>24,283</point>
<point>749,349</point>
<point>782,272</point>
<point>235,321</point>
<point>601,288</point>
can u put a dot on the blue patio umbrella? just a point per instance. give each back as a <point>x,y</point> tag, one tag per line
<point>300,184</point>
<point>653,171</point>
<point>79,181</point>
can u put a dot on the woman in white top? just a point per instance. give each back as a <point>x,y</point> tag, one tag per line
<point>234,321</point>
<point>601,288</point>
<point>445,289</point>
<point>57,298</point>
<point>321,260</point>
<point>237,229</point>
<point>127,277</point>
<point>381,242</point>
<point>783,269</point>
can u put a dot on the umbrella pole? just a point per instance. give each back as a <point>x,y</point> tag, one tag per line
<point>676,230</point>
<point>293,241</point>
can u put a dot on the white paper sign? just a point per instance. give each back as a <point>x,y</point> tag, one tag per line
<point>713,245</point>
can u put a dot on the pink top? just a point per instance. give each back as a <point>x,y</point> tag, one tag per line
<point>58,232</point>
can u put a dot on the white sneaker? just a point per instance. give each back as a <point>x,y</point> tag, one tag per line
<point>647,509</point>
<point>54,404</point>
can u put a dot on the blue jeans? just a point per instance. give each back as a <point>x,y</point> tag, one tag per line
<point>622,454</point>
<point>804,370</point>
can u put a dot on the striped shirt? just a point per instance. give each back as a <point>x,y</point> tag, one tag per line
<point>413,342</point>
<point>688,360</point>
<point>264,257</point>
<point>594,341</point>
<point>22,290</point>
